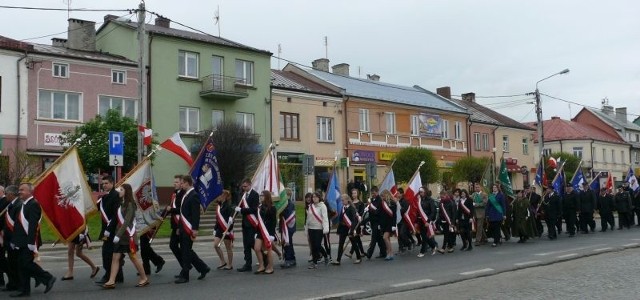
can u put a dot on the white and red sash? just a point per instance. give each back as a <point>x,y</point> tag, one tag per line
<point>224,224</point>
<point>425,220</point>
<point>290,221</point>
<point>464,208</point>
<point>175,217</point>
<point>387,209</point>
<point>130,230</point>
<point>345,218</point>
<point>446,216</point>
<point>252,218</point>
<point>314,213</point>
<point>406,217</point>
<point>186,225</point>
<point>264,233</point>
<point>284,231</point>
<point>9,221</point>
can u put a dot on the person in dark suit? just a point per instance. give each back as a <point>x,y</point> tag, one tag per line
<point>587,204</point>
<point>190,222</point>
<point>173,210</point>
<point>375,210</point>
<point>24,238</point>
<point>552,208</point>
<point>606,206</point>
<point>8,220</point>
<point>108,206</point>
<point>248,208</point>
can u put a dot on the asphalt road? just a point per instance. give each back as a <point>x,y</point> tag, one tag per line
<point>376,277</point>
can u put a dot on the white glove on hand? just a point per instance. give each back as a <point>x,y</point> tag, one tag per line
<point>238,209</point>
<point>116,240</point>
<point>32,248</point>
<point>81,237</point>
<point>272,238</point>
<point>107,234</point>
<point>393,228</point>
<point>325,232</point>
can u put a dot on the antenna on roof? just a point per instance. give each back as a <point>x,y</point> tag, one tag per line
<point>68,3</point>
<point>216,19</point>
<point>326,47</point>
<point>279,55</point>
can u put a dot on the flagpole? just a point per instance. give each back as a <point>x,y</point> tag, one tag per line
<point>57,162</point>
<point>574,173</point>
<point>595,178</point>
<point>200,152</point>
<point>558,173</point>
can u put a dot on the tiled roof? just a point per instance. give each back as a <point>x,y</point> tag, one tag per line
<point>292,81</point>
<point>485,115</point>
<point>387,92</point>
<point>86,55</point>
<point>616,123</point>
<point>188,35</point>
<point>557,129</point>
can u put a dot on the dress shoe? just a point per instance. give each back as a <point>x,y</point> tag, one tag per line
<point>101,280</point>
<point>245,269</point>
<point>181,280</point>
<point>9,288</point>
<point>19,295</point>
<point>159,267</point>
<point>204,274</point>
<point>67,278</point>
<point>50,284</point>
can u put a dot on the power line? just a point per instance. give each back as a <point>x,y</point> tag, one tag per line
<point>498,96</point>
<point>579,104</point>
<point>64,9</point>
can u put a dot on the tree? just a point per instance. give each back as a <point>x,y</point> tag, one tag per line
<point>238,154</point>
<point>570,165</point>
<point>408,160</point>
<point>18,167</point>
<point>293,173</point>
<point>469,169</point>
<point>94,150</point>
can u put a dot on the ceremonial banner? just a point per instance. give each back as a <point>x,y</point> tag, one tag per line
<point>144,193</point>
<point>206,174</point>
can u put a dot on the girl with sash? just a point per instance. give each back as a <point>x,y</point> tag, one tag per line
<point>388,221</point>
<point>266,233</point>
<point>426,218</point>
<point>223,230</point>
<point>325,249</point>
<point>317,226</point>
<point>346,227</point>
<point>75,249</point>
<point>447,218</point>
<point>124,240</point>
<point>465,220</point>
<point>359,207</point>
<point>495,214</point>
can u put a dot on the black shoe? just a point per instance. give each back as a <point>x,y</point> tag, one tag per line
<point>176,276</point>
<point>245,269</point>
<point>50,284</point>
<point>9,288</point>
<point>181,280</point>
<point>119,280</point>
<point>381,256</point>
<point>204,274</point>
<point>101,280</point>
<point>159,267</point>
<point>19,295</point>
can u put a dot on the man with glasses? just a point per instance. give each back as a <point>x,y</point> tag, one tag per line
<point>248,208</point>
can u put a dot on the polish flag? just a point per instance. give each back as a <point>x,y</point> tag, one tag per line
<point>411,194</point>
<point>177,146</point>
<point>65,196</point>
<point>609,184</point>
<point>389,183</point>
<point>146,132</point>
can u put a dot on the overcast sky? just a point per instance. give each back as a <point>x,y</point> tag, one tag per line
<point>487,47</point>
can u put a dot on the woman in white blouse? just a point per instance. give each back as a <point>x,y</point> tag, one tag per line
<point>317,226</point>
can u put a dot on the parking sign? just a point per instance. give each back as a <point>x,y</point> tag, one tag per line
<point>116,148</point>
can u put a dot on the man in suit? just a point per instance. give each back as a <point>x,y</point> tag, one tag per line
<point>25,240</point>
<point>248,208</point>
<point>173,210</point>
<point>108,207</point>
<point>8,220</point>
<point>375,211</point>
<point>188,232</point>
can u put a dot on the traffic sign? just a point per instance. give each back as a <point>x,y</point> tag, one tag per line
<point>116,148</point>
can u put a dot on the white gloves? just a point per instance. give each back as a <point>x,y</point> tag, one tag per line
<point>107,234</point>
<point>238,209</point>
<point>32,248</point>
<point>393,228</point>
<point>325,231</point>
<point>116,240</point>
<point>230,220</point>
<point>272,238</point>
<point>81,237</point>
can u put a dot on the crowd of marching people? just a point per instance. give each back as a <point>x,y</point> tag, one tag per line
<point>476,217</point>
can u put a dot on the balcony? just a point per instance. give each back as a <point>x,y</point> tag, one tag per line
<point>222,87</point>
<point>403,141</point>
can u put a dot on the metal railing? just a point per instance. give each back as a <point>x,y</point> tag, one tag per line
<point>223,84</point>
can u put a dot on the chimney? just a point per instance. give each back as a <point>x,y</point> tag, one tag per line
<point>81,35</point>
<point>555,118</point>
<point>341,69</point>
<point>444,91</point>
<point>321,64</point>
<point>163,22</point>
<point>373,77</point>
<point>471,97</point>
<point>108,18</point>
<point>58,42</point>
<point>607,109</point>
<point>621,114</point>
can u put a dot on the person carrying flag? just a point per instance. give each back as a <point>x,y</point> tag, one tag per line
<point>551,208</point>
<point>587,203</point>
<point>248,208</point>
<point>346,221</point>
<point>427,213</point>
<point>265,238</point>
<point>606,206</point>
<point>173,210</point>
<point>223,230</point>
<point>108,206</point>
<point>375,211</point>
<point>569,209</point>
<point>288,228</point>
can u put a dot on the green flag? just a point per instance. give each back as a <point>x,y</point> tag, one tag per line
<point>487,178</point>
<point>505,182</point>
<point>282,201</point>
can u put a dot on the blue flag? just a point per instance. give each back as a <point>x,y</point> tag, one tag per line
<point>632,180</point>
<point>206,174</point>
<point>578,179</point>
<point>333,194</point>
<point>595,184</point>
<point>558,183</point>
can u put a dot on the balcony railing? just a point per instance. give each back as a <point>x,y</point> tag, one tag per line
<point>223,87</point>
<point>402,141</point>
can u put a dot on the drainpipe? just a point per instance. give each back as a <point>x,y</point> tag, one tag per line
<point>469,136</point>
<point>346,136</point>
<point>147,72</point>
<point>19,100</point>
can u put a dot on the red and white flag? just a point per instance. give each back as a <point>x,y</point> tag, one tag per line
<point>389,183</point>
<point>411,194</point>
<point>65,196</point>
<point>177,146</point>
<point>146,133</point>
<point>610,182</point>
<point>145,196</point>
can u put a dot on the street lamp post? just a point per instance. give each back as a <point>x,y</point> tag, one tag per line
<point>539,111</point>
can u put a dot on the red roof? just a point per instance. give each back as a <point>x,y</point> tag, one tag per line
<point>11,44</point>
<point>557,129</point>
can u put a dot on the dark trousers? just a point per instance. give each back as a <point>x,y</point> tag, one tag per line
<point>570,221</point>
<point>606,218</point>
<point>449,239</point>
<point>326,240</point>
<point>289,252</point>
<point>624,219</point>
<point>356,245</point>
<point>148,255</point>
<point>376,239</point>
<point>426,240</point>
<point>315,238</point>
<point>587,222</point>
<point>404,236</point>
<point>559,224</point>
<point>28,269</point>
<point>12,269</point>
<point>174,245</point>
<point>341,239</point>
<point>465,234</point>
<point>189,257</point>
<point>551,228</point>
<point>248,240</point>
<point>635,213</point>
<point>539,226</point>
<point>4,265</point>
<point>494,231</point>
<point>107,257</point>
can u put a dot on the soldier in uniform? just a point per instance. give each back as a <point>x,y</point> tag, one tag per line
<point>480,199</point>
<point>623,206</point>
<point>587,205</point>
<point>521,224</point>
<point>606,206</point>
<point>551,208</point>
<point>569,209</point>
<point>534,201</point>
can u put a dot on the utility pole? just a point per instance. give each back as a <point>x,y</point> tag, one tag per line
<point>540,125</point>
<point>142,78</point>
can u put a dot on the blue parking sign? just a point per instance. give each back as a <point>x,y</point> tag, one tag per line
<point>116,148</point>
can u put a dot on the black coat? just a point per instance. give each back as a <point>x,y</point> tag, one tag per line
<point>462,216</point>
<point>350,213</point>
<point>177,198</point>
<point>226,210</point>
<point>570,202</point>
<point>587,201</point>
<point>449,206</point>
<point>109,204</point>
<point>623,202</point>
<point>429,208</point>
<point>253,201</point>
<point>606,204</point>
<point>269,219</point>
<point>4,203</point>
<point>12,212</point>
<point>27,236</point>
<point>374,214</point>
<point>190,209</point>
<point>551,206</point>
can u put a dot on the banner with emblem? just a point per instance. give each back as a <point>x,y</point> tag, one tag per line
<point>206,174</point>
<point>65,196</point>
<point>144,193</point>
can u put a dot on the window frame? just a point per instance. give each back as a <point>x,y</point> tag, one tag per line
<point>477,141</point>
<point>390,121</point>
<point>505,143</point>
<point>123,107</point>
<point>415,125</point>
<point>445,129</point>
<point>213,112</point>
<point>242,79</point>
<point>57,66</point>
<point>244,115</point>
<point>51,111</point>
<point>328,134</point>
<point>363,120</point>
<point>186,64</point>
<point>578,151</point>
<point>119,72</point>
<point>188,122</point>
<point>289,126</point>
<point>486,144</point>
<point>525,146</point>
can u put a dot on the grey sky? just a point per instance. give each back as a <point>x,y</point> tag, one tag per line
<point>486,47</point>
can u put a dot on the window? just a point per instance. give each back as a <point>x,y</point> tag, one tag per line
<point>546,152</point>
<point>187,64</point>
<point>126,107</point>
<point>604,155</point>
<point>505,143</point>
<point>244,72</point>
<point>637,137</point>
<point>445,129</point>
<point>59,105</point>
<point>189,119</point>
<point>622,160</point>
<point>458,130</point>
<point>476,141</point>
<point>485,141</point>
<point>390,119</point>
<point>613,156</point>
<point>593,153</point>
<point>525,146</point>
<point>217,70</point>
<point>324,129</point>
<point>246,120</point>
<point>217,117</point>
<point>60,70</point>
<point>364,119</point>
<point>577,151</point>
<point>415,125</point>
<point>119,77</point>
<point>289,126</point>
<point>637,157</point>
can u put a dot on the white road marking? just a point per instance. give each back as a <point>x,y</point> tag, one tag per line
<point>630,245</point>
<point>411,283</point>
<point>568,250</point>
<point>527,263</point>
<point>603,249</point>
<point>476,271</point>
<point>338,295</point>
<point>568,255</point>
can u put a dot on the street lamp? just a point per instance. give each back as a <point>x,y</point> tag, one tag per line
<point>539,111</point>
